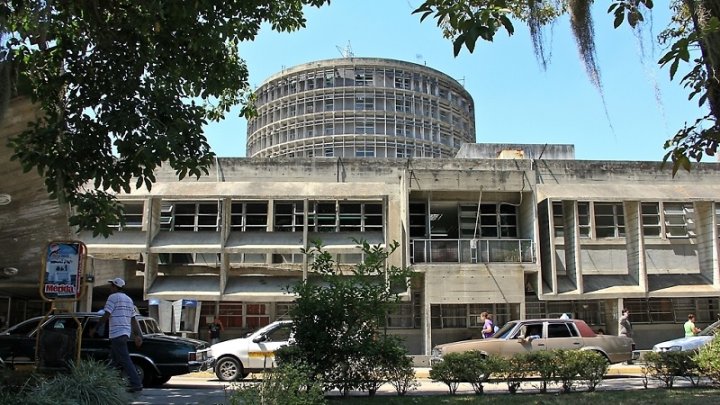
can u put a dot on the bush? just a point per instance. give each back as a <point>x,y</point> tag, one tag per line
<point>568,364</point>
<point>287,384</point>
<point>477,370</point>
<point>449,371</point>
<point>708,360</point>
<point>667,366</point>
<point>513,371</point>
<point>402,376</point>
<point>87,382</point>
<point>542,363</point>
<point>592,367</point>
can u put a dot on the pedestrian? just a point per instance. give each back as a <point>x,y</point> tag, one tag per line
<point>120,310</point>
<point>690,328</point>
<point>626,328</point>
<point>488,326</point>
<point>215,327</point>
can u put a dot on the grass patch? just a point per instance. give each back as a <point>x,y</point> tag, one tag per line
<point>682,396</point>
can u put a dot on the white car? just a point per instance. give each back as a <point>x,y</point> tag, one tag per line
<point>236,358</point>
<point>689,343</point>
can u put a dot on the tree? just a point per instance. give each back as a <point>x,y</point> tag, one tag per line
<point>338,318</point>
<point>693,38</point>
<point>126,86</point>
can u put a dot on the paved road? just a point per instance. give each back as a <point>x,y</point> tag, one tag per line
<point>205,389</point>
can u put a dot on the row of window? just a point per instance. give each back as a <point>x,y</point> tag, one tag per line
<point>464,220</point>
<point>289,216</point>
<point>361,77</point>
<point>268,139</point>
<point>345,148</point>
<point>357,103</point>
<point>607,220</point>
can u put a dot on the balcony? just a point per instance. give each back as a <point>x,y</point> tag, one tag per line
<point>472,251</point>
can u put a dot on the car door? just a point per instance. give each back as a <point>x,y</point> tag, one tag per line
<point>96,346</point>
<point>261,350</point>
<point>17,344</point>
<point>563,335</point>
<point>528,337</point>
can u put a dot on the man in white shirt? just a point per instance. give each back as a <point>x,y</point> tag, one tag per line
<point>120,309</point>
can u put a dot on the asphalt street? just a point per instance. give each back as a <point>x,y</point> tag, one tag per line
<point>206,389</point>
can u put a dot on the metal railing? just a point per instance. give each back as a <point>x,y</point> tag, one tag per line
<point>472,251</point>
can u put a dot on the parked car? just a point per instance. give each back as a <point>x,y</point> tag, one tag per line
<point>159,358</point>
<point>236,358</point>
<point>691,342</point>
<point>543,334</point>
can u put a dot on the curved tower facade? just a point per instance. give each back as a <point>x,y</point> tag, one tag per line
<point>360,107</point>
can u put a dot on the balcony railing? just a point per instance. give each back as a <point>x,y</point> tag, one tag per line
<point>472,251</point>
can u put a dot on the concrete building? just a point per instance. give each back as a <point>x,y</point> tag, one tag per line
<point>529,237</point>
<point>360,107</point>
<point>516,230</point>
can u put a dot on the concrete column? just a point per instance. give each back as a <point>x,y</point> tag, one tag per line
<point>426,322</point>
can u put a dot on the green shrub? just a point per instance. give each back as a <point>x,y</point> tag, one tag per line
<point>568,364</point>
<point>87,382</point>
<point>513,371</point>
<point>708,360</point>
<point>402,376</point>
<point>287,384</point>
<point>449,371</point>
<point>667,366</point>
<point>592,367</point>
<point>477,369</point>
<point>542,363</point>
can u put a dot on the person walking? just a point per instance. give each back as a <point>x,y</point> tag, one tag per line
<point>120,310</point>
<point>488,326</point>
<point>690,328</point>
<point>215,327</point>
<point>626,328</point>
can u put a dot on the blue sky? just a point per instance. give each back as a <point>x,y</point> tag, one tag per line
<point>515,100</point>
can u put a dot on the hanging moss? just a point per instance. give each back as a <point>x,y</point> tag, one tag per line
<point>584,33</point>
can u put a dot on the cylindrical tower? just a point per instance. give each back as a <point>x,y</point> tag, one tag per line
<point>360,107</point>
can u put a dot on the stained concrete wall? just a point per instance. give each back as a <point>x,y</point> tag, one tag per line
<point>31,219</point>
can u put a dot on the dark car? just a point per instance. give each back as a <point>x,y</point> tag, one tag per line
<point>159,358</point>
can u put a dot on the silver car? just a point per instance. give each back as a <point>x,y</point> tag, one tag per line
<point>689,343</point>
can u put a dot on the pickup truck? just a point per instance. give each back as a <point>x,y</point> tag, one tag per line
<point>543,334</point>
<point>159,358</point>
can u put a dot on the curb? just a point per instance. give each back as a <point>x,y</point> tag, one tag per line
<point>423,373</point>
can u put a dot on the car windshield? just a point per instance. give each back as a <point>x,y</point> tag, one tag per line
<point>24,327</point>
<point>710,330</point>
<point>504,332</point>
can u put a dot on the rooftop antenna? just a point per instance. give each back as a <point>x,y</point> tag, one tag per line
<point>419,57</point>
<point>346,52</point>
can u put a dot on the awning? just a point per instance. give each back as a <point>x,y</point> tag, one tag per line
<point>118,242</point>
<point>629,192</point>
<point>292,242</point>
<point>186,242</point>
<point>260,288</point>
<point>171,288</point>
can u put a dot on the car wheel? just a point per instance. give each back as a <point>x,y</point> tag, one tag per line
<point>229,369</point>
<point>145,374</point>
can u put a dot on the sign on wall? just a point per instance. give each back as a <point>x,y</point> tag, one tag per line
<point>62,276</point>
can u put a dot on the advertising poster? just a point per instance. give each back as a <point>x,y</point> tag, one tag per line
<point>63,270</point>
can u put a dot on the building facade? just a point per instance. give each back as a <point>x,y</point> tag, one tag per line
<point>521,237</point>
<point>383,151</point>
<point>360,107</point>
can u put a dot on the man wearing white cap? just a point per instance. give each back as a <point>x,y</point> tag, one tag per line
<point>120,309</point>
